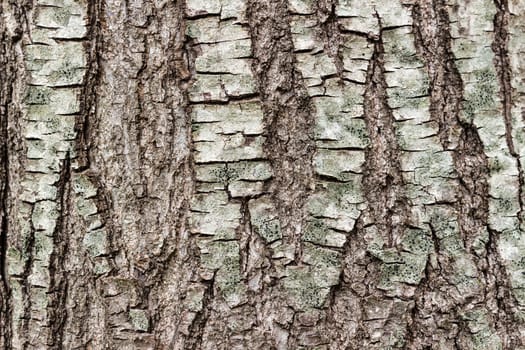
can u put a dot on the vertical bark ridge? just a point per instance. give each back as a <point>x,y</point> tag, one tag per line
<point>472,166</point>
<point>147,170</point>
<point>55,61</point>
<point>503,69</point>
<point>290,117</point>
<point>14,30</point>
<point>232,173</point>
<point>179,254</point>
<point>403,183</point>
<point>482,110</point>
<point>172,279</point>
<point>471,207</point>
<point>504,47</point>
<point>334,75</point>
<point>280,218</point>
<point>10,36</point>
<point>335,85</point>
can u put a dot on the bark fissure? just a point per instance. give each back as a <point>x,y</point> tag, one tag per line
<point>7,74</point>
<point>331,34</point>
<point>383,181</point>
<point>58,284</point>
<point>88,117</point>
<point>288,116</point>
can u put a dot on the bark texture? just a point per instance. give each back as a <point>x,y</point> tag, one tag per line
<point>262,174</point>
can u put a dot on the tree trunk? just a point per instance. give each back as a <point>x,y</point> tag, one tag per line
<point>262,174</point>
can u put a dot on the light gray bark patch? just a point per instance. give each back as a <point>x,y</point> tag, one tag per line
<point>289,115</point>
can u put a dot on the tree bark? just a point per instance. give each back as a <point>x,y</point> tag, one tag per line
<point>262,174</point>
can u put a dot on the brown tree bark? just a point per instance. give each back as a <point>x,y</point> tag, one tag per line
<point>262,174</point>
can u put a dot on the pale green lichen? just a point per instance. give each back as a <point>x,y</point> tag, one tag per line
<point>101,265</point>
<point>482,337</point>
<point>303,288</point>
<point>316,231</point>
<point>269,230</point>
<point>83,186</point>
<point>86,207</point>
<point>194,298</point>
<point>139,319</point>
<point>483,93</point>
<point>38,95</point>
<point>96,242</point>
<point>264,219</point>
<point>405,266</point>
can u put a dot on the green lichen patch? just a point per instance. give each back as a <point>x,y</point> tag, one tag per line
<point>252,171</point>
<point>96,242</point>
<point>339,131</point>
<point>303,289</point>
<point>52,17</point>
<point>340,164</point>
<point>480,94</point>
<point>66,75</point>
<point>139,319</point>
<point>444,223</point>
<point>229,282</point>
<point>264,219</point>
<point>224,174</point>
<point>86,207</point>
<point>83,186</point>
<point>337,200</point>
<point>319,257</point>
<point>215,254</point>
<point>316,231</point>
<point>38,95</point>
<point>405,266</point>
<point>45,215</point>
<point>481,335</point>
<point>417,241</point>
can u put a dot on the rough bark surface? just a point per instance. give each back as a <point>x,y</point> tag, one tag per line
<point>262,174</point>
